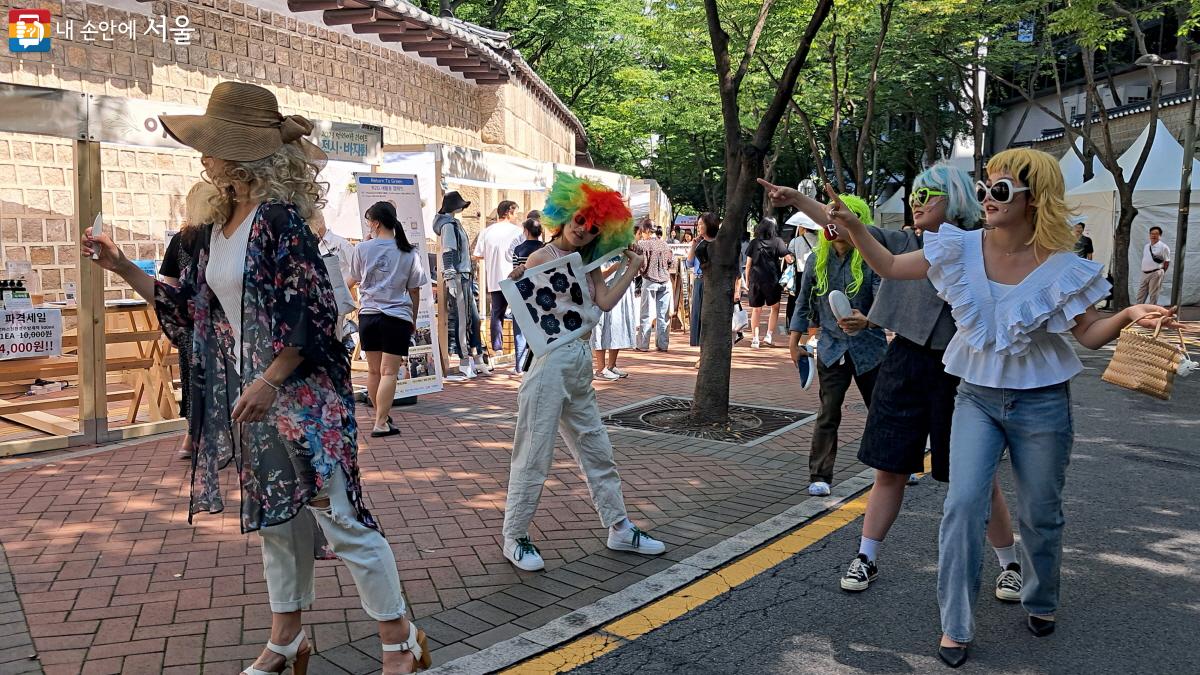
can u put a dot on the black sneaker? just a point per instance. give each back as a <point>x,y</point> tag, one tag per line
<point>1008,584</point>
<point>860,574</point>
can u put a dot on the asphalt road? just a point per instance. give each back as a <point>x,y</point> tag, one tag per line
<point>1131,573</point>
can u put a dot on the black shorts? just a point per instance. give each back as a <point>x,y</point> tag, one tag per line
<point>383,333</point>
<point>765,294</point>
<point>913,401</point>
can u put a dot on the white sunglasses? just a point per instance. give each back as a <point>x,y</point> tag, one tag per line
<point>1001,191</point>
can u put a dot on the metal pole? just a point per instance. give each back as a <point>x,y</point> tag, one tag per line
<point>1185,190</point>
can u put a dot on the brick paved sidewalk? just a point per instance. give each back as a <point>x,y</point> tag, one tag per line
<point>111,578</point>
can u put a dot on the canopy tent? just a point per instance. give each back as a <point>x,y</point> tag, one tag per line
<point>1157,200</point>
<point>647,200</point>
<point>890,214</point>
<point>1072,167</point>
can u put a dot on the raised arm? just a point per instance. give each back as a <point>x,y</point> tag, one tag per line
<point>886,264</point>
<point>607,296</point>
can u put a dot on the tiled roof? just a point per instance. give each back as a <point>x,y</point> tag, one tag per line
<point>479,54</point>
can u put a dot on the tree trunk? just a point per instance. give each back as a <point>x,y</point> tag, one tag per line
<point>710,401</point>
<point>1120,263</point>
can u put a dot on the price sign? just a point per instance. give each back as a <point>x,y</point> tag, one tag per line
<point>30,333</point>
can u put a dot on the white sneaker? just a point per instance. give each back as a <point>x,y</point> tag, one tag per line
<point>769,341</point>
<point>754,344</point>
<point>522,553</point>
<point>468,372</point>
<point>635,541</point>
<point>818,488</point>
<point>620,373</point>
<point>607,374</point>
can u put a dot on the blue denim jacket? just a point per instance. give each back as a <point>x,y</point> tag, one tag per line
<point>867,347</point>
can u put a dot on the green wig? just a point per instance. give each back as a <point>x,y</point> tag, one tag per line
<point>825,249</point>
<point>598,205</point>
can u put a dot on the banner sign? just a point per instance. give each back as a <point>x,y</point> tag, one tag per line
<point>131,121</point>
<point>346,142</point>
<point>30,333</point>
<point>423,372</point>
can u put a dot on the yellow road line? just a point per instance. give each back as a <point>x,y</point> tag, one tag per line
<point>672,606</point>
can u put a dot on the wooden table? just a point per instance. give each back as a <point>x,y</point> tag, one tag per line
<point>139,352</point>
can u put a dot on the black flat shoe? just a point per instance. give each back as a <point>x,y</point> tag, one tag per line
<point>391,431</point>
<point>1039,627</point>
<point>953,656</point>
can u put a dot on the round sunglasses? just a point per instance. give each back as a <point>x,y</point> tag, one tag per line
<point>1001,191</point>
<point>592,229</point>
<point>922,196</point>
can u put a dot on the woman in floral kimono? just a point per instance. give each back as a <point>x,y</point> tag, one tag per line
<point>270,381</point>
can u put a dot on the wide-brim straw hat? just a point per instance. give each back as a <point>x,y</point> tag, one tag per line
<point>242,123</point>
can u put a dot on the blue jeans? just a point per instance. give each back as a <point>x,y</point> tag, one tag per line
<point>655,306</point>
<point>499,305</point>
<point>1036,426</point>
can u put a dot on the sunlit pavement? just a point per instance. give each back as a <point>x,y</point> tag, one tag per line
<point>103,569</point>
<point>1129,594</point>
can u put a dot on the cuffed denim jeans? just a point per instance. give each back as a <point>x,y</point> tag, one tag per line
<point>287,551</point>
<point>1036,426</point>
<point>556,397</point>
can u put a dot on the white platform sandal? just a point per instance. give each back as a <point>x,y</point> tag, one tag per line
<point>292,656</point>
<point>416,644</point>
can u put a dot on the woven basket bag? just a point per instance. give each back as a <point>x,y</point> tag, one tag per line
<point>1146,363</point>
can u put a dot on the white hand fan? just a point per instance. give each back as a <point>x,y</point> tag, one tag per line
<point>840,304</point>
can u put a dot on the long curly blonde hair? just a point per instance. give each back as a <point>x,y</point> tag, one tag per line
<point>1047,194</point>
<point>288,176</point>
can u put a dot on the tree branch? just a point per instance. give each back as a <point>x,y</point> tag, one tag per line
<point>752,43</point>
<point>885,18</point>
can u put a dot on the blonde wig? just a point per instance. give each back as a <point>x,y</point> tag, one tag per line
<point>288,176</point>
<point>198,207</point>
<point>1047,194</point>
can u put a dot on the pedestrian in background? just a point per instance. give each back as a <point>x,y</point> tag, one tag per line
<point>494,248</point>
<point>656,290</point>
<point>1156,259</point>
<point>762,270</point>
<point>390,277</point>
<point>179,256</point>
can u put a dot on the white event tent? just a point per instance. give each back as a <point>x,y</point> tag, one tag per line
<point>890,214</point>
<point>1157,199</point>
<point>1072,167</point>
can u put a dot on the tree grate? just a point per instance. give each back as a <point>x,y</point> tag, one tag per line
<point>748,425</point>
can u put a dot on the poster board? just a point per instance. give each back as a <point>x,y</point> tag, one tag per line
<point>27,333</point>
<point>423,372</point>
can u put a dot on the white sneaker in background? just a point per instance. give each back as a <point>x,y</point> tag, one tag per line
<point>754,344</point>
<point>620,373</point>
<point>607,374</point>
<point>818,488</point>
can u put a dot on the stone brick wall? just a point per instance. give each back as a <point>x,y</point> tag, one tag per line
<point>314,71</point>
<point>1125,130</point>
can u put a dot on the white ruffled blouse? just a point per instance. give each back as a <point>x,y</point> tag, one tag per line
<point>1010,337</point>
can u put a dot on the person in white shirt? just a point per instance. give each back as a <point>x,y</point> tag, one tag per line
<point>1156,258</point>
<point>495,248</point>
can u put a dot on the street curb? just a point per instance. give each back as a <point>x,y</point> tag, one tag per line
<point>635,596</point>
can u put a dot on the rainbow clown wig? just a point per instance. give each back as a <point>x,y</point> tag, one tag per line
<point>574,199</point>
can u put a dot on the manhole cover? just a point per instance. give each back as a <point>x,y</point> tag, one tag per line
<point>747,425</point>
